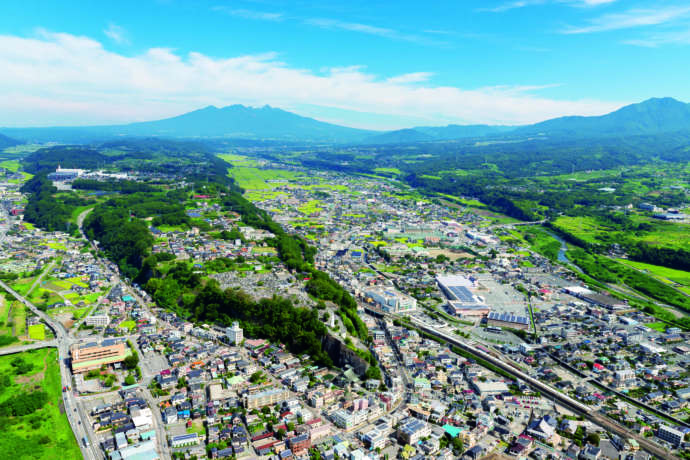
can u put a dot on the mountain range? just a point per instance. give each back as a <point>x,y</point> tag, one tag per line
<point>651,117</point>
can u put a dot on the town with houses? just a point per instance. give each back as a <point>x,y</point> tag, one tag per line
<point>446,295</point>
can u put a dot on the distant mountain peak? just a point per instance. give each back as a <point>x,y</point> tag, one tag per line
<point>652,116</point>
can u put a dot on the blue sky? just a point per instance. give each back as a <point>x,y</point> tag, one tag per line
<point>368,64</point>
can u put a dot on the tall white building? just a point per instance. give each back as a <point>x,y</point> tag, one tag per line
<point>99,320</point>
<point>235,334</point>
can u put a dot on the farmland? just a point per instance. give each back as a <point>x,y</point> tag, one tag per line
<point>12,318</point>
<point>44,433</point>
<point>253,178</point>
<point>663,274</point>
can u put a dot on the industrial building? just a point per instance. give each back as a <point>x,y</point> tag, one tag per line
<point>61,174</point>
<point>594,298</point>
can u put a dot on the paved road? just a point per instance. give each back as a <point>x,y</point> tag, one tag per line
<point>40,277</point>
<point>80,221</point>
<point>33,346</point>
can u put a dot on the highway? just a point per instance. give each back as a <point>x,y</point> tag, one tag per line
<point>31,346</point>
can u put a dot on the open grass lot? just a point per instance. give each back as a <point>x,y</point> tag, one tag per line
<point>668,275</point>
<point>661,327</point>
<point>22,286</point>
<point>129,324</point>
<point>37,331</point>
<point>12,318</point>
<point>57,246</point>
<point>19,319</point>
<point>44,434</point>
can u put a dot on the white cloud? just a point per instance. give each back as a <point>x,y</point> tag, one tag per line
<point>58,79</point>
<point>515,4</point>
<point>368,29</point>
<point>416,77</point>
<point>631,18</point>
<point>116,34</point>
<point>596,2</point>
<point>678,37</point>
<point>250,14</point>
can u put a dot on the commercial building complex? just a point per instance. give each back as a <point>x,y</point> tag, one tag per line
<point>391,300</point>
<point>461,300</point>
<point>88,356</point>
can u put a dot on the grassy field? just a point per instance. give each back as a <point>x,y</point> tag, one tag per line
<point>583,227</point>
<point>19,319</point>
<point>661,327</point>
<point>394,171</point>
<point>12,165</point>
<point>540,241</point>
<point>251,178</point>
<point>37,332</point>
<point>238,160</point>
<point>129,324</point>
<point>664,274</point>
<point>22,286</point>
<point>670,235</point>
<point>44,434</point>
<point>658,233</point>
<point>12,318</point>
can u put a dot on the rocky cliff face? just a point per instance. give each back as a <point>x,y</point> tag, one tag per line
<point>341,355</point>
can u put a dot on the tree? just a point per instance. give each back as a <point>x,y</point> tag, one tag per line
<point>593,438</point>
<point>256,377</point>
<point>129,380</point>
<point>280,434</point>
<point>458,447</point>
<point>20,366</point>
<point>132,360</point>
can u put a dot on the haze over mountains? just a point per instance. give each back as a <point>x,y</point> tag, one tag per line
<point>651,117</point>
